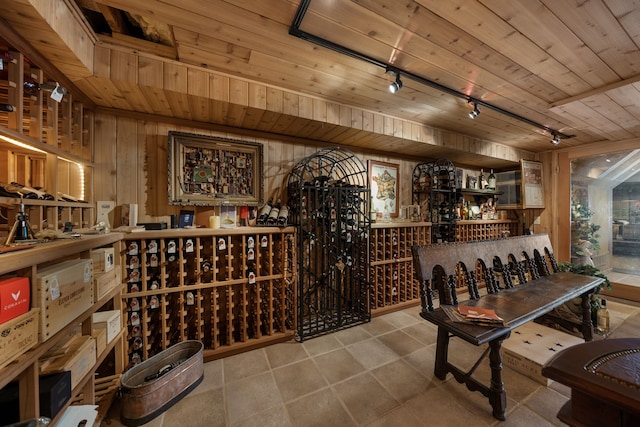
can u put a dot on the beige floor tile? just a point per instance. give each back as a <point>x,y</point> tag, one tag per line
<point>402,319</point>
<point>352,335</point>
<point>423,361</point>
<point>372,353</point>
<point>244,365</point>
<point>272,417</point>
<point>401,380</point>
<point>320,345</point>
<point>320,409</point>
<point>364,398</point>
<point>210,411</point>
<point>338,365</point>
<point>378,326</point>
<point>285,353</point>
<point>298,379</point>
<point>249,396</point>
<point>399,417</point>
<point>546,403</point>
<point>400,342</point>
<point>524,417</point>
<point>425,332</point>
<point>438,408</point>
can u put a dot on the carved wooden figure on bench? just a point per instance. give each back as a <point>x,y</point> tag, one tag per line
<point>522,282</point>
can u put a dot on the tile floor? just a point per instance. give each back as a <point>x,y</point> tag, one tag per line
<point>376,374</point>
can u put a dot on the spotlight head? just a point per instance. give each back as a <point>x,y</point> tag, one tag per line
<point>475,112</point>
<point>396,85</point>
<point>556,139</point>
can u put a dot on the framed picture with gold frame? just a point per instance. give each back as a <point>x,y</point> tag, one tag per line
<point>384,178</point>
<point>211,171</point>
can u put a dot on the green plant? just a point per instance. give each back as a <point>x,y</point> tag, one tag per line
<point>588,270</point>
<point>584,234</point>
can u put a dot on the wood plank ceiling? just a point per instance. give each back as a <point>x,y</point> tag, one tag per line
<point>572,66</point>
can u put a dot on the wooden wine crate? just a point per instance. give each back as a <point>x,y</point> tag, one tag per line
<point>63,292</point>
<point>100,335</point>
<point>109,321</point>
<point>18,335</point>
<point>79,358</point>
<point>106,282</point>
<point>103,259</point>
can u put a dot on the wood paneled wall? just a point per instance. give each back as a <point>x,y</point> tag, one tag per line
<point>131,164</point>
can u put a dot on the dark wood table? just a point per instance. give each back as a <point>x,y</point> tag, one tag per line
<point>517,306</point>
<point>604,377</point>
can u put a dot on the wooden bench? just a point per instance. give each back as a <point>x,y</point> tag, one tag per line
<point>521,282</point>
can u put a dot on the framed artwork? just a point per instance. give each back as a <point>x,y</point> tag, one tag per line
<point>384,179</point>
<point>212,171</point>
<point>532,188</point>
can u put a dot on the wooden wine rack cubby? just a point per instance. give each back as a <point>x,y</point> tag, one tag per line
<point>468,231</point>
<point>393,283</point>
<point>233,289</point>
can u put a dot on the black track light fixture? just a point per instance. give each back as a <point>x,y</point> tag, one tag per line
<point>476,111</point>
<point>396,85</point>
<point>555,140</point>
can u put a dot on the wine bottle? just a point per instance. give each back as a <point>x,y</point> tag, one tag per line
<point>492,181</point>
<point>283,216</point>
<point>603,317</point>
<point>481,180</point>
<point>264,212</point>
<point>274,213</point>
<point>29,85</point>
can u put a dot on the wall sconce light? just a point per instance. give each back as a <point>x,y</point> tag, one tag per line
<point>475,112</point>
<point>396,85</point>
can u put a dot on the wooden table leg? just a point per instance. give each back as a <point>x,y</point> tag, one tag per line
<point>587,325</point>
<point>442,353</point>
<point>497,392</point>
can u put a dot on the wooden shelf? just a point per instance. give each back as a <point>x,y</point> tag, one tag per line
<point>25,367</point>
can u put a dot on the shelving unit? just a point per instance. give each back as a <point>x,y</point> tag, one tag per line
<point>329,196</point>
<point>52,214</point>
<point>486,229</point>
<point>24,368</point>
<point>393,283</point>
<point>57,146</point>
<point>233,289</point>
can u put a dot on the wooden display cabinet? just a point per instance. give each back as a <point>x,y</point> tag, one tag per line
<point>25,367</point>
<point>233,289</point>
<point>391,264</point>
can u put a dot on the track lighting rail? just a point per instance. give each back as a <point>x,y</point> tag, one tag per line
<point>295,30</point>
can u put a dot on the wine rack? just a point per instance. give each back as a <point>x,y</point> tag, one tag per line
<point>391,269</point>
<point>434,189</point>
<point>329,199</point>
<point>229,288</point>
<point>485,230</point>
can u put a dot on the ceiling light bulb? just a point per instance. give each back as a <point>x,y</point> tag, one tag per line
<point>396,85</point>
<point>475,112</point>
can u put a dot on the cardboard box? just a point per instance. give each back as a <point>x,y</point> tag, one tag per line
<point>55,392</point>
<point>103,260</point>
<point>18,335</point>
<point>109,320</point>
<point>106,282</point>
<point>79,359</point>
<point>63,292</point>
<point>15,298</point>
<point>531,346</point>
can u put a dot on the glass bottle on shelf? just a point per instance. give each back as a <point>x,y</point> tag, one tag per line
<point>264,212</point>
<point>482,183</point>
<point>492,181</point>
<point>283,215</point>
<point>274,213</point>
